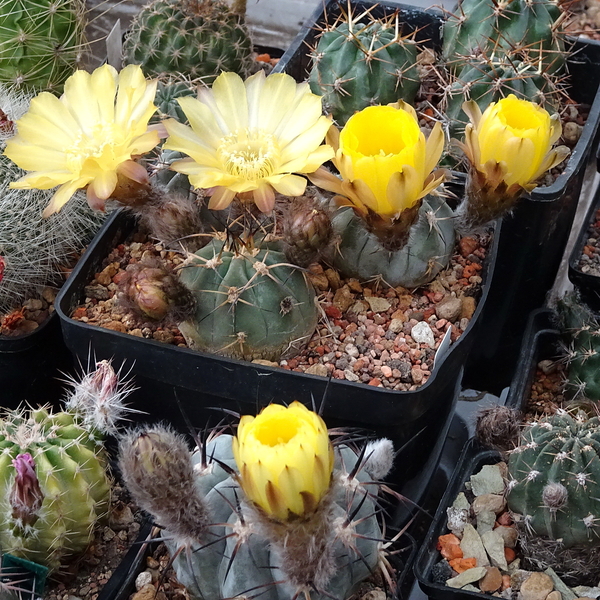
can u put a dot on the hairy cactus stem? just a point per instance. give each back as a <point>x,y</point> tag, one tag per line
<point>393,234</point>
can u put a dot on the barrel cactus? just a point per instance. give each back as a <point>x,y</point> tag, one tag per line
<point>360,254</point>
<point>194,38</point>
<point>275,511</point>
<point>521,29</point>
<point>357,65</point>
<point>54,485</point>
<point>554,489</point>
<point>582,332</point>
<point>41,42</point>
<point>250,303</point>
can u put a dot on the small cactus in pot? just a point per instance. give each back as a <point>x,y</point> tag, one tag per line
<point>54,484</point>
<point>554,483</point>
<point>276,510</point>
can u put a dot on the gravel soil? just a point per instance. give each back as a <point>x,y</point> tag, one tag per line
<point>590,255</point>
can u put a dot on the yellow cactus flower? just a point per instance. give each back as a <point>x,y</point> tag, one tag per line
<point>250,137</point>
<point>384,161</point>
<point>285,459</point>
<point>509,147</point>
<point>88,137</point>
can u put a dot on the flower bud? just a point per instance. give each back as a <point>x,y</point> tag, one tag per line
<point>26,496</point>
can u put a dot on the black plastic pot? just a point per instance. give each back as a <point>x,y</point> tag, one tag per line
<point>587,284</point>
<point>164,373</point>
<point>531,239</point>
<point>540,342</point>
<point>31,365</point>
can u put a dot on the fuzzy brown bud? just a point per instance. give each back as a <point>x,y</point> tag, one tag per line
<point>498,427</point>
<point>554,496</point>
<point>307,231</point>
<point>26,496</point>
<point>157,468</point>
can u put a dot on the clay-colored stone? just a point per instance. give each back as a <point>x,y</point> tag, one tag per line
<point>536,587</point>
<point>492,502</point>
<point>492,580</point>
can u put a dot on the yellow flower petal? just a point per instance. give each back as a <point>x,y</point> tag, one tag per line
<point>289,185</point>
<point>264,198</point>
<point>221,198</point>
<point>229,94</point>
<point>63,194</point>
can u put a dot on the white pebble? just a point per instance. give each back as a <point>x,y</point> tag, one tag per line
<point>422,334</point>
<point>144,578</point>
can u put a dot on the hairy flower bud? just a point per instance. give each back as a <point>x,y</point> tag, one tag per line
<point>26,496</point>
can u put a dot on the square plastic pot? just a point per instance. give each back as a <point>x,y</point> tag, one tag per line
<point>532,239</point>
<point>200,382</point>
<point>30,365</point>
<point>539,343</point>
<point>587,284</point>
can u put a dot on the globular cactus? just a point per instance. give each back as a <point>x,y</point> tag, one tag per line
<point>193,38</point>
<point>250,303</point>
<point>54,486</point>
<point>582,332</point>
<point>41,42</point>
<point>34,249</point>
<point>554,489</point>
<point>488,80</point>
<point>521,29</point>
<point>356,65</point>
<point>359,253</point>
<point>170,88</point>
<point>276,510</point>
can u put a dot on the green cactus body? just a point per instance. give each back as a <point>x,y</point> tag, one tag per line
<point>582,331</point>
<point>488,81</point>
<point>429,248</point>
<point>522,28</point>
<point>195,38</point>
<point>41,42</point>
<point>356,66</point>
<point>250,305</point>
<point>167,93</point>
<point>73,492</point>
<point>255,565</point>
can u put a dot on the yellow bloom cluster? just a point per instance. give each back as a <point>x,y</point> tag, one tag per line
<point>384,160</point>
<point>285,459</point>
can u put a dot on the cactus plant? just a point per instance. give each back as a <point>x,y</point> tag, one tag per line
<point>41,42</point>
<point>53,482</point>
<point>360,253</point>
<point>194,38</point>
<point>274,511</point>
<point>250,304</point>
<point>583,348</point>
<point>357,65</point>
<point>554,485</point>
<point>33,248</point>
<point>521,29</point>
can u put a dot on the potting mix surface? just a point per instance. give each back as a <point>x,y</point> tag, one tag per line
<point>589,262</point>
<point>369,332</point>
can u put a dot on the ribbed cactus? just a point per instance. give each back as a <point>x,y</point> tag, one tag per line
<point>41,42</point>
<point>275,511</point>
<point>250,304</point>
<point>521,29</point>
<point>53,482</point>
<point>554,487</point>
<point>430,245</point>
<point>194,38</point>
<point>489,80</point>
<point>33,249</point>
<point>582,332</point>
<point>356,65</point>
<point>167,92</point>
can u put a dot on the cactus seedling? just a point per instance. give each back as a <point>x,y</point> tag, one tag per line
<point>54,486</point>
<point>284,513</point>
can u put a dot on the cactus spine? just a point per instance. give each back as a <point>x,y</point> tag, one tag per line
<point>357,65</point>
<point>554,487</point>
<point>522,29</point>
<point>33,248</point>
<point>241,549</point>
<point>53,482</point>
<point>194,38</point>
<point>250,304</point>
<point>41,42</point>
